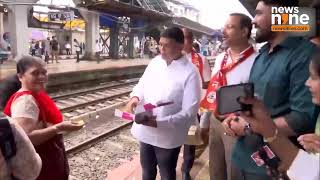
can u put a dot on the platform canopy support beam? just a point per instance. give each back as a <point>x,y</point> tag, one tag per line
<point>18,28</point>
<point>114,42</point>
<point>92,29</point>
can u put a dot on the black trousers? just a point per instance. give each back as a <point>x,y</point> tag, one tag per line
<point>98,56</point>
<point>33,52</point>
<point>189,155</point>
<point>166,159</point>
<point>78,56</point>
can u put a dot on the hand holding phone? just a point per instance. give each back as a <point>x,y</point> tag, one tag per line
<point>146,118</point>
<point>143,116</point>
<point>228,98</point>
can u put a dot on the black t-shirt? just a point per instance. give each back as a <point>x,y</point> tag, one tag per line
<point>54,45</point>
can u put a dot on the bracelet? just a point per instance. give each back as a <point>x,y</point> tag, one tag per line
<point>271,139</point>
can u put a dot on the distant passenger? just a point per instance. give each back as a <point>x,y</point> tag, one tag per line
<point>33,48</point>
<point>54,49</point>
<point>168,77</point>
<point>27,103</point>
<point>67,46</point>
<point>47,50</point>
<point>98,50</point>
<point>78,49</point>
<point>196,47</point>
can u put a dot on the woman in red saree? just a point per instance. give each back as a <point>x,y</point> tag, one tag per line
<point>25,100</point>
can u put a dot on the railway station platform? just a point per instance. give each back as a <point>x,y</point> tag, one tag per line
<point>68,72</point>
<point>132,170</point>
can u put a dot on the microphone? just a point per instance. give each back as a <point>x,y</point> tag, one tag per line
<point>255,141</point>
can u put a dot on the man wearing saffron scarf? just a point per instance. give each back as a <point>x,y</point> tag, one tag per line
<point>279,74</point>
<point>203,67</point>
<point>231,67</point>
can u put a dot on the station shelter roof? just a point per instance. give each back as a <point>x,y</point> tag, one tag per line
<point>196,27</point>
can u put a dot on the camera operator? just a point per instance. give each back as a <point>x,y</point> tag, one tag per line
<point>278,74</point>
<point>299,164</point>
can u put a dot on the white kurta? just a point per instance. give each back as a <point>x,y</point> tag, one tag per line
<point>178,82</point>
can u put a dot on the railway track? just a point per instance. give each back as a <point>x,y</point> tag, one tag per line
<point>95,106</point>
<point>96,162</point>
<point>97,138</point>
<point>85,101</point>
<point>112,84</point>
<point>102,145</point>
<point>103,134</point>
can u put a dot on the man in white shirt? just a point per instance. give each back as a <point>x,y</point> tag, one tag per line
<point>47,51</point>
<point>78,49</point>
<point>237,31</point>
<point>98,50</point>
<point>168,77</point>
<point>202,64</point>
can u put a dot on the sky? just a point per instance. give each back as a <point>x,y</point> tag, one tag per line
<point>56,2</point>
<point>213,12</point>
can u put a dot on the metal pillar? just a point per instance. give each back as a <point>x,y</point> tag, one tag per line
<point>92,33</point>
<point>114,42</point>
<point>1,27</point>
<point>142,39</point>
<point>131,45</point>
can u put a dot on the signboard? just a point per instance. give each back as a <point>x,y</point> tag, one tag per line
<point>61,16</point>
<point>50,26</point>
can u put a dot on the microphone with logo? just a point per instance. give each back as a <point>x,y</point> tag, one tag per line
<point>264,153</point>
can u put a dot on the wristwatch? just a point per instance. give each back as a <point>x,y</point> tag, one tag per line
<point>247,129</point>
<point>272,138</point>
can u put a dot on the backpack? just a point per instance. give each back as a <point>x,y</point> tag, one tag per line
<point>7,141</point>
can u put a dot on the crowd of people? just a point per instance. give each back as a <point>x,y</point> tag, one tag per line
<point>282,119</point>
<point>283,111</point>
<point>50,49</point>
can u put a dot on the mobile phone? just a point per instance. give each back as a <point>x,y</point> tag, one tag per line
<point>228,98</point>
<point>142,116</point>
